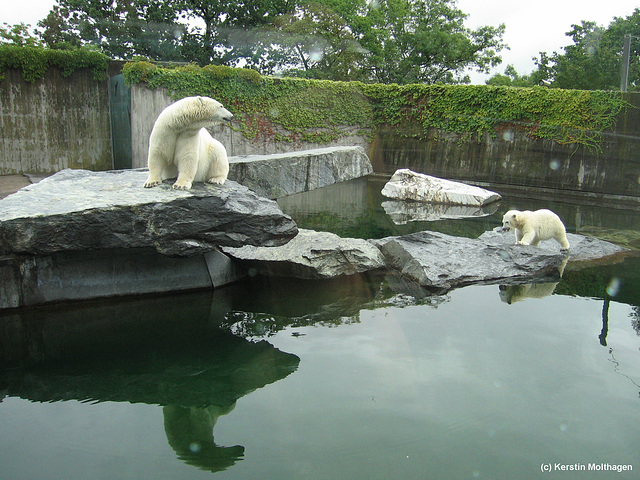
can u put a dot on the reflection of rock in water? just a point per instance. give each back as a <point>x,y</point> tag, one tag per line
<point>516,293</point>
<point>189,431</point>
<point>162,351</point>
<point>402,212</point>
<point>312,302</point>
<point>215,370</point>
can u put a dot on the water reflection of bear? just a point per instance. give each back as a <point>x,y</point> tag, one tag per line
<point>515,293</point>
<point>154,351</point>
<point>189,431</point>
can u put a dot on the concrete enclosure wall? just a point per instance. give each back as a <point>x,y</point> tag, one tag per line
<point>63,122</point>
<point>512,158</point>
<point>147,104</point>
<point>55,123</point>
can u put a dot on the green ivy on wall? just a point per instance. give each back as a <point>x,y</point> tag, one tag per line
<point>292,109</point>
<point>35,61</point>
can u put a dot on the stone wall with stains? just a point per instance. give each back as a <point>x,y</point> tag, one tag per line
<point>64,122</point>
<point>55,123</point>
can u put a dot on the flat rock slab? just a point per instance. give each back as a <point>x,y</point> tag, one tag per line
<point>583,248</point>
<point>280,175</point>
<point>312,255</point>
<point>443,262</point>
<point>408,185</point>
<point>81,210</point>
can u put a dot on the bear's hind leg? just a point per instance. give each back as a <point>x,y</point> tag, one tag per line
<point>218,163</point>
<point>186,159</point>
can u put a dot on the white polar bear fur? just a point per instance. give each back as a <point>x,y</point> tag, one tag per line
<point>515,293</point>
<point>180,146</point>
<point>531,228</point>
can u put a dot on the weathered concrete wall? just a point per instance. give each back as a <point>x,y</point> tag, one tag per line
<point>512,158</point>
<point>64,122</point>
<point>56,123</point>
<point>147,104</point>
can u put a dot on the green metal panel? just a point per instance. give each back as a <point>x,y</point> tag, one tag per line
<point>120,103</point>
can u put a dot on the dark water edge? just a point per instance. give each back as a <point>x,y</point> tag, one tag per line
<point>360,377</point>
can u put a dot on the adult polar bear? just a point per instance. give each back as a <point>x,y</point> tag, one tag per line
<point>180,146</point>
<point>534,227</point>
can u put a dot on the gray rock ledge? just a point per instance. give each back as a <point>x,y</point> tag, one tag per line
<point>280,175</point>
<point>583,248</point>
<point>77,210</point>
<point>442,262</point>
<point>311,255</point>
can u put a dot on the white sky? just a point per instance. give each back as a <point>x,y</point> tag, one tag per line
<point>531,27</point>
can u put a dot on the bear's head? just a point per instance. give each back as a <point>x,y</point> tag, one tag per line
<point>194,113</point>
<point>510,220</point>
<point>215,110</point>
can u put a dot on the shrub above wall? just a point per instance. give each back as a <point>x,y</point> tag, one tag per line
<point>318,110</point>
<point>34,62</point>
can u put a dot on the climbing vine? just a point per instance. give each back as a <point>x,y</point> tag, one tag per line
<point>35,61</point>
<point>322,111</point>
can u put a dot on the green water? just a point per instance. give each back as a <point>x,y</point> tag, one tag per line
<point>359,378</point>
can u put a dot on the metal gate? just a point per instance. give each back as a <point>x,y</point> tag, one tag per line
<point>120,107</point>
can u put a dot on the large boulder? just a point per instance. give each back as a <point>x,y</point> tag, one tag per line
<point>281,174</point>
<point>583,248</point>
<point>408,185</point>
<point>312,255</point>
<point>442,262</point>
<point>82,210</point>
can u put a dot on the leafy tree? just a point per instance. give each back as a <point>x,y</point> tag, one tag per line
<point>389,41</point>
<point>511,78</point>
<point>230,33</point>
<point>120,28</point>
<point>593,61</point>
<point>54,31</point>
<point>201,31</point>
<point>425,41</point>
<point>320,44</point>
<point>401,41</point>
<point>18,34</point>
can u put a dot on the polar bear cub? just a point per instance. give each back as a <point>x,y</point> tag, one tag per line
<point>531,228</point>
<point>180,146</point>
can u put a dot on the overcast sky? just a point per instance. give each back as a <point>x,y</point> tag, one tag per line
<point>531,27</point>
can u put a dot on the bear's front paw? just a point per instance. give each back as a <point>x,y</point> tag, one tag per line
<point>181,186</point>
<point>151,183</point>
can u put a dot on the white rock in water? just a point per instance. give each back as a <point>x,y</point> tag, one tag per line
<point>408,185</point>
